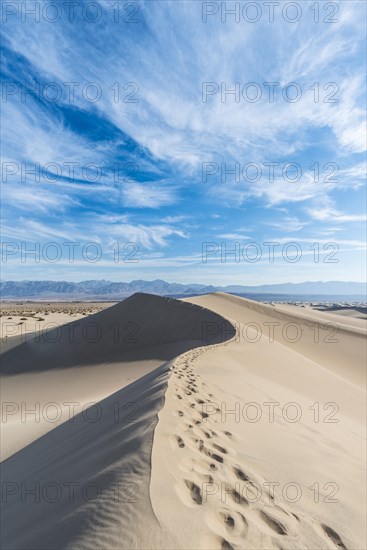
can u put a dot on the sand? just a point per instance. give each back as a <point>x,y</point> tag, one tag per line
<point>213,422</point>
<point>19,319</point>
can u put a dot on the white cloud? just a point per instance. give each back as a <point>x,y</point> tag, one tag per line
<point>234,236</point>
<point>147,196</point>
<point>332,215</point>
<point>288,223</point>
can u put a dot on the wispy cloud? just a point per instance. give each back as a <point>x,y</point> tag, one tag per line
<point>234,236</point>
<point>332,215</point>
<point>136,195</point>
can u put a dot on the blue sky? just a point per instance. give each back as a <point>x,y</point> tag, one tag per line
<point>126,121</point>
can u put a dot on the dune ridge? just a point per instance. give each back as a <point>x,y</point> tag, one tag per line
<point>62,366</point>
<point>141,321</point>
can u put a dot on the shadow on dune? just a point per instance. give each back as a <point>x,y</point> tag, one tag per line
<point>141,327</point>
<point>85,484</point>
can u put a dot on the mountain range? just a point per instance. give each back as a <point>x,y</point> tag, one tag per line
<point>108,290</point>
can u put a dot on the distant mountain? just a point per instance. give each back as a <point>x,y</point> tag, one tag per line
<point>309,287</point>
<point>108,290</point>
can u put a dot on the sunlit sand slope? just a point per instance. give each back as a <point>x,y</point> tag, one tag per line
<point>260,443</point>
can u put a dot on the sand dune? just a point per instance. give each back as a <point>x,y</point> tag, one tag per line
<point>335,343</point>
<point>58,373</point>
<point>202,437</point>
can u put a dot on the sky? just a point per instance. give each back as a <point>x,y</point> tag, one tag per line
<point>208,142</point>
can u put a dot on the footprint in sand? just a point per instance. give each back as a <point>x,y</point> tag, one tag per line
<point>274,525</point>
<point>176,440</point>
<point>195,491</point>
<point>220,449</point>
<point>234,523</point>
<point>334,536</point>
<point>228,525</point>
<point>212,455</point>
<point>199,443</point>
<point>225,545</point>
<point>240,474</point>
<point>237,497</point>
